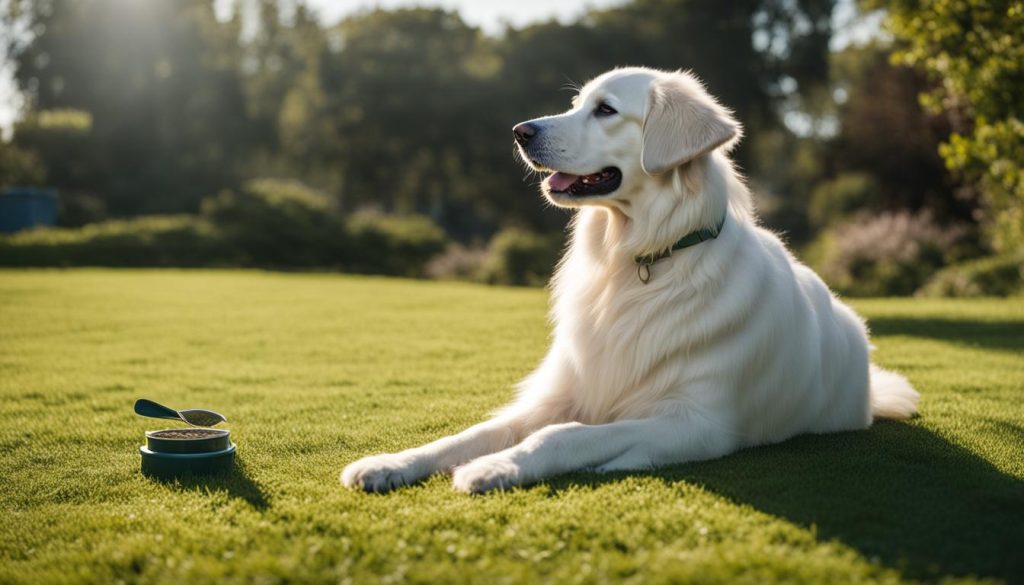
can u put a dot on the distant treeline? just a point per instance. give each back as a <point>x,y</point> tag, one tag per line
<point>141,108</point>
<point>148,107</point>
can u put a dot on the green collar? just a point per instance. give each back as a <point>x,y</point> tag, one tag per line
<point>643,263</point>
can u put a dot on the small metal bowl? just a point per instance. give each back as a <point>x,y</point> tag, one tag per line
<point>176,452</point>
<point>188,440</point>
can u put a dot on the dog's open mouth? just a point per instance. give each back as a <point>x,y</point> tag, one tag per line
<point>600,183</point>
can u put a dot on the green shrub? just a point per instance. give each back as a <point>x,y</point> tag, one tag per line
<point>888,254</point>
<point>19,167</point>
<point>61,141</point>
<point>269,223</point>
<point>77,208</point>
<point>278,223</point>
<point>972,53</point>
<point>177,240</point>
<point>67,121</point>
<point>520,257</point>
<point>837,199</point>
<point>457,262</point>
<point>993,276</point>
<point>400,245</point>
<point>994,157</point>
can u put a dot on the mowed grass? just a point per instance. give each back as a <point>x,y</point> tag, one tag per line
<point>314,371</point>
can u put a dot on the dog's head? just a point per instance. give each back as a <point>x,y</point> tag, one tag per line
<point>624,127</point>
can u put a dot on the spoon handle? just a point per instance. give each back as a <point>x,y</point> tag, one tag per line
<point>152,409</point>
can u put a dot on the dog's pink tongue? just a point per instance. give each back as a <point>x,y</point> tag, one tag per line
<point>561,181</point>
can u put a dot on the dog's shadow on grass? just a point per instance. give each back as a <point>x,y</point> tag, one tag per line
<point>898,493</point>
<point>998,335</point>
<point>235,483</point>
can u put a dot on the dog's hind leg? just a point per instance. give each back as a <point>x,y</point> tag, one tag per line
<point>623,445</point>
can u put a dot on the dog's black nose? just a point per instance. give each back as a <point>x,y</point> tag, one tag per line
<point>524,132</point>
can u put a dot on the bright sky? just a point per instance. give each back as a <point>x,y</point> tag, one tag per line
<point>487,14</point>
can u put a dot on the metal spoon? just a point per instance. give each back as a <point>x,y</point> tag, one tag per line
<point>196,417</point>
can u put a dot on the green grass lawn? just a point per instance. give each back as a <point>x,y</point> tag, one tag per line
<point>314,371</point>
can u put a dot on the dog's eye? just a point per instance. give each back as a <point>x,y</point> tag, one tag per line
<point>604,109</point>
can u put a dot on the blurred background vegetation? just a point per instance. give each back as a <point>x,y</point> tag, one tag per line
<point>252,133</point>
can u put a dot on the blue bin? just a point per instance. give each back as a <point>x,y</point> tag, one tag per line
<point>22,208</point>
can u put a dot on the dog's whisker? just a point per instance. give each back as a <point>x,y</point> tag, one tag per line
<point>528,168</point>
<point>571,85</point>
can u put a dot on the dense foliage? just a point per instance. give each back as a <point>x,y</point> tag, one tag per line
<point>267,223</point>
<point>153,107</point>
<point>166,240</point>
<point>405,111</point>
<point>520,257</point>
<point>885,255</point>
<point>973,51</point>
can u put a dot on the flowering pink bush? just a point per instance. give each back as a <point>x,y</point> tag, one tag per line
<point>887,254</point>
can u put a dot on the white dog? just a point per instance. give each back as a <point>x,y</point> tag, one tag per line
<point>683,331</point>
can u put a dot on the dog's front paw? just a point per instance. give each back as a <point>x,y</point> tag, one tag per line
<point>486,474</point>
<point>380,473</point>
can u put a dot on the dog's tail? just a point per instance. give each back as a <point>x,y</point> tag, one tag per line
<point>892,396</point>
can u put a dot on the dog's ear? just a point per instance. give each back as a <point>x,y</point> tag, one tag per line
<point>682,123</point>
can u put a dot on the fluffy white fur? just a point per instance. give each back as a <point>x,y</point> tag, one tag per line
<point>733,342</point>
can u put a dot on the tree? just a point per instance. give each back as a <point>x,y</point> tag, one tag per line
<point>18,167</point>
<point>404,100</point>
<point>973,52</point>
<point>406,111</point>
<point>64,139</point>
<point>885,133</point>
<point>160,83</point>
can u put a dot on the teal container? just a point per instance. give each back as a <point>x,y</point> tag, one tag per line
<point>173,453</point>
<point>23,208</point>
